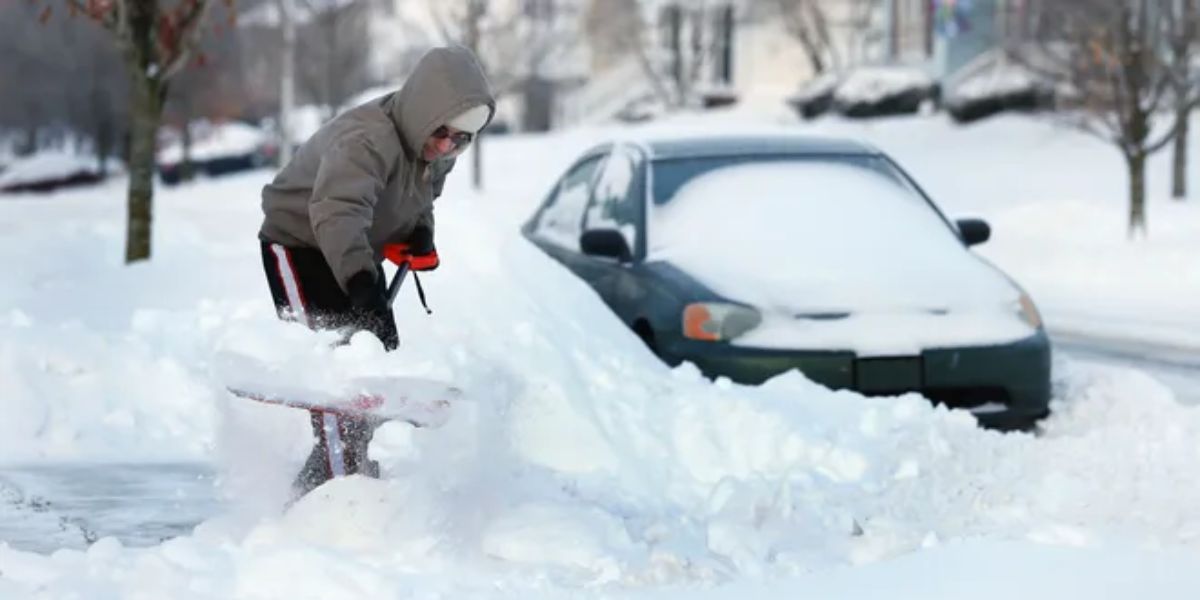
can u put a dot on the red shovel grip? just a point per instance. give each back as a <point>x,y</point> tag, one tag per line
<point>399,254</point>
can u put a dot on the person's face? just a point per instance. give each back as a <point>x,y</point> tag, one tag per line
<point>444,142</point>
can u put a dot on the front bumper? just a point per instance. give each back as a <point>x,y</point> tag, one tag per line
<point>1014,376</point>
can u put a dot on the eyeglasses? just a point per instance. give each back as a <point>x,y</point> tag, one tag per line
<point>459,138</point>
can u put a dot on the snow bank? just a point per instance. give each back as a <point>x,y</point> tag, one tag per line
<point>217,140</point>
<point>46,165</point>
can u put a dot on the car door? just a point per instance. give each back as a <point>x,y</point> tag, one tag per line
<point>618,204</point>
<point>558,225</point>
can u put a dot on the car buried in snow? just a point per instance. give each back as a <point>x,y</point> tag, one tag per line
<point>753,255</point>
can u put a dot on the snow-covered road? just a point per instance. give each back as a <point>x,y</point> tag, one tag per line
<point>1177,367</point>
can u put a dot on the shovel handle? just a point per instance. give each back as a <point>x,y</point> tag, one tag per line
<point>397,281</point>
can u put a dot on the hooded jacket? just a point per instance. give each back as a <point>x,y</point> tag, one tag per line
<point>360,181</point>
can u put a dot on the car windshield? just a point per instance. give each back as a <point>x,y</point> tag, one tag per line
<point>672,174</point>
<point>825,231</point>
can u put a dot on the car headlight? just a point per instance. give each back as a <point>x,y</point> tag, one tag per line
<point>718,321</point>
<point>1029,312</point>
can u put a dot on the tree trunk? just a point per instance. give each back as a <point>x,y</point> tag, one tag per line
<point>893,30</point>
<point>813,54</point>
<point>147,111</point>
<point>102,127</point>
<point>477,10</point>
<point>675,41</point>
<point>1179,168</point>
<point>104,141</point>
<point>30,144</point>
<point>928,29</point>
<point>1137,195</point>
<point>287,82</point>
<point>187,170</point>
<point>477,161</point>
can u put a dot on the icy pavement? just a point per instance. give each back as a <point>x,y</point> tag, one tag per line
<point>1176,367</point>
<point>46,507</point>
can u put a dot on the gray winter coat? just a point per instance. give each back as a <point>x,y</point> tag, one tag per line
<point>359,182</point>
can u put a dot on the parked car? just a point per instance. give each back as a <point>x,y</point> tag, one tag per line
<point>867,92</point>
<point>50,170</point>
<point>993,84</point>
<point>218,149</point>
<point>815,97</point>
<point>754,255</point>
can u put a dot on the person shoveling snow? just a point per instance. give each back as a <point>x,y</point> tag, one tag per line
<point>362,187</point>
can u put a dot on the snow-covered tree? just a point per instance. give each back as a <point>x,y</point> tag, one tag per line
<point>675,42</point>
<point>1112,57</point>
<point>808,22</point>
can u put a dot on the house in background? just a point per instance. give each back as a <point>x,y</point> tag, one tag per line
<point>725,50</point>
<point>646,56</point>
<point>629,59</point>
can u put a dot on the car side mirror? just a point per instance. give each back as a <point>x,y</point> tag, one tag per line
<point>974,231</point>
<point>606,242</point>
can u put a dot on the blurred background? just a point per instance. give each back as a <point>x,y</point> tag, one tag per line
<point>248,78</point>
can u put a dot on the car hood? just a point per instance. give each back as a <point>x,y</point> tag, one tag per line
<point>883,315</point>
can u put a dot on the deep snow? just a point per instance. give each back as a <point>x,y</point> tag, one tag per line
<point>579,465</point>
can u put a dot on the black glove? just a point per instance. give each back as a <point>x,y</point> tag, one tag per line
<point>366,292</point>
<point>420,242</point>
<point>369,308</point>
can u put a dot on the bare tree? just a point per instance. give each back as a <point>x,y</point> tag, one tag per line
<point>1111,57</point>
<point>29,73</point>
<point>333,63</point>
<point>97,107</point>
<point>1184,42</point>
<point>62,82</point>
<point>859,26</point>
<point>156,40</point>
<point>671,51</point>
<point>208,88</point>
<point>287,78</point>
<point>808,23</point>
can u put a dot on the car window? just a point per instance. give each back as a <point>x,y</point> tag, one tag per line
<point>561,218</point>
<point>616,200</point>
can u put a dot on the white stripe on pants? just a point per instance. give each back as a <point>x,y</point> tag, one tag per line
<point>291,283</point>
<point>333,442</point>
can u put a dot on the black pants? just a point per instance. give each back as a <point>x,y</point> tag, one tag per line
<point>305,289</point>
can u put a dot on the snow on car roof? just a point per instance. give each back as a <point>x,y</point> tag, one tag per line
<point>780,144</point>
<point>661,142</point>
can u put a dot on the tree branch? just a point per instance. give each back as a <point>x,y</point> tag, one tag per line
<point>120,14</point>
<point>1165,139</point>
<point>442,23</point>
<point>189,33</point>
<point>791,11</point>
